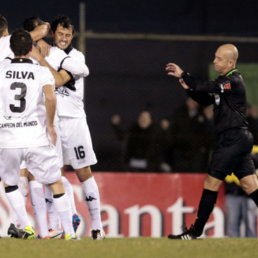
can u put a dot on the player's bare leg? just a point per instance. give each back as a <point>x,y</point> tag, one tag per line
<point>250,185</point>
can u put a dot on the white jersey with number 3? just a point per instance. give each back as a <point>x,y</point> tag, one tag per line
<point>22,104</point>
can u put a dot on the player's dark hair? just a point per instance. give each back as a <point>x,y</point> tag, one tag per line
<point>62,20</point>
<point>31,23</point>
<point>3,24</point>
<point>21,42</point>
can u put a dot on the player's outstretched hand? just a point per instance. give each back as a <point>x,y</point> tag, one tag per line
<point>52,134</point>
<point>174,70</point>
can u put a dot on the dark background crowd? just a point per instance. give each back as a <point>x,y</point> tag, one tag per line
<point>182,142</point>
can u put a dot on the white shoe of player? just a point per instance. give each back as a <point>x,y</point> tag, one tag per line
<point>55,233</point>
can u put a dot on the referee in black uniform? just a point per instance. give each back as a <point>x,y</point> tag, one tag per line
<point>234,144</point>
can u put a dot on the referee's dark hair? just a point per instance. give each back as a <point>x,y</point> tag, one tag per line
<point>21,42</point>
<point>3,24</point>
<point>62,20</point>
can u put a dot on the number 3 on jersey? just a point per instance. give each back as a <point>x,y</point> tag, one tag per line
<point>79,152</point>
<point>19,97</point>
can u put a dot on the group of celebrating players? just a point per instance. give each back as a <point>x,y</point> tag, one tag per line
<point>43,127</point>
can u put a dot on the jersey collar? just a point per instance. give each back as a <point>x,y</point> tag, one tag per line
<point>232,71</point>
<point>21,60</point>
<point>69,49</point>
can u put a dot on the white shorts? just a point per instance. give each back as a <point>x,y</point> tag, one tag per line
<point>42,162</point>
<point>76,142</point>
<point>58,147</point>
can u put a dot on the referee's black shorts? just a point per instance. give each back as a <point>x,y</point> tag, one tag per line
<point>232,154</point>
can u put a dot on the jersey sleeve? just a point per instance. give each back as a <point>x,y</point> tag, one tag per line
<point>219,86</point>
<point>203,98</point>
<point>76,68</point>
<point>56,57</point>
<point>46,77</point>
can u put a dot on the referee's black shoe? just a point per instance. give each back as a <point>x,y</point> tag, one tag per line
<point>186,235</point>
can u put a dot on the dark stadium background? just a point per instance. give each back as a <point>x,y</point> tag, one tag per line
<point>128,75</point>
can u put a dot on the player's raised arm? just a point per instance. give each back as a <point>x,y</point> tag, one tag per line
<point>40,31</point>
<point>60,77</point>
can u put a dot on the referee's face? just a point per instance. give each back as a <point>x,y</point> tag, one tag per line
<point>220,62</point>
<point>225,58</point>
<point>63,37</point>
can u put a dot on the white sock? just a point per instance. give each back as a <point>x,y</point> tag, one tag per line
<point>14,219</point>
<point>54,221</point>
<point>39,206</point>
<point>69,190</point>
<point>23,188</point>
<point>91,192</point>
<point>17,203</point>
<point>63,208</point>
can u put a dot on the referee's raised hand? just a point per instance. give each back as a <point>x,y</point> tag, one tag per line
<point>174,70</point>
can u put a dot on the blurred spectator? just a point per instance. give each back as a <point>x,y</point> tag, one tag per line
<point>189,138</point>
<point>166,146</point>
<point>142,143</point>
<point>241,210</point>
<point>252,119</point>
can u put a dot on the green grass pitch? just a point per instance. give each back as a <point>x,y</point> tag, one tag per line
<point>142,247</point>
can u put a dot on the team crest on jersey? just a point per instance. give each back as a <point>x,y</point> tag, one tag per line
<point>62,91</point>
<point>227,86</point>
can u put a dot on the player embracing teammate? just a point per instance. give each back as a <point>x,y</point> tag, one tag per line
<point>67,65</point>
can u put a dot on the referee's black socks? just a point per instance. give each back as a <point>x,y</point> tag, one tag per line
<point>254,196</point>
<point>206,205</point>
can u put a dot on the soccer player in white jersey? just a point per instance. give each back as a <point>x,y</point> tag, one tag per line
<point>58,60</point>
<point>37,34</point>
<point>75,136</point>
<point>27,110</point>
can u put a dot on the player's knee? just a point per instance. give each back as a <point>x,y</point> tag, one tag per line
<point>83,173</point>
<point>211,183</point>
<point>249,184</point>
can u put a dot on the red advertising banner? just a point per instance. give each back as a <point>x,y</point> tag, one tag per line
<point>140,204</point>
<point>154,204</point>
